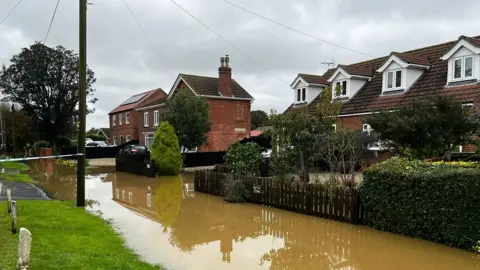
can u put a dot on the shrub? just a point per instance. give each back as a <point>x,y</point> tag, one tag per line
<point>244,159</point>
<point>40,144</point>
<point>63,141</point>
<point>236,191</point>
<point>434,201</point>
<point>166,150</point>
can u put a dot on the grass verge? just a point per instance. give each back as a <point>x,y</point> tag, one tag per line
<point>14,177</point>
<point>65,237</point>
<point>11,165</point>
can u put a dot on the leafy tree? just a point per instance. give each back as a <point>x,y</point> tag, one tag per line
<point>244,159</point>
<point>94,135</point>
<point>44,81</point>
<point>259,118</point>
<point>190,117</point>
<point>18,124</point>
<point>166,150</point>
<point>295,136</point>
<point>426,129</point>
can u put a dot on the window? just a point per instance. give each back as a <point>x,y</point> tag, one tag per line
<point>341,89</point>
<point>394,79</point>
<point>115,140</point>
<point>145,119</point>
<point>123,194</point>
<point>304,94</point>
<point>367,128</point>
<point>129,138</point>
<point>156,117</point>
<point>149,199</point>
<point>334,127</point>
<point>463,68</point>
<point>121,139</point>
<point>149,140</point>
<point>120,119</point>
<point>127,118</point>
<point>299,95</point>
<point>117,193</point>
<point>130,197</point>
<point>114,120</point>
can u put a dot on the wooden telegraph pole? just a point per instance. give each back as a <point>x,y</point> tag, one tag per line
<point>82,107</point>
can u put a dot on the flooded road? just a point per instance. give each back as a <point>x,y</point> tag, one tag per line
<point>166,222</point>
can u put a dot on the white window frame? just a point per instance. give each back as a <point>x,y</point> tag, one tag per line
<point>128,138</point>
<point>127,118</point>
<point>341,85</point>
<point>115,140</point>
<point>114,120</point>
<point>156,118</point>
<point>394,80</point>
<point>462,68</point>
<point>149,199</point>
<point>123,194</point>
<point>145,119</point>
<point>366,128</point>
<point>120,118</point>
<point>130,197</point>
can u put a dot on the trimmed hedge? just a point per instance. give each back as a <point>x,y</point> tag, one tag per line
<point>434,201</point>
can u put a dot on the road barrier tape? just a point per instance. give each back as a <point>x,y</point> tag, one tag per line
<point>43,157</point>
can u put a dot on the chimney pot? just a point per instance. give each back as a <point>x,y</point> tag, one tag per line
<point>222,61</point>
<point>227,60</point>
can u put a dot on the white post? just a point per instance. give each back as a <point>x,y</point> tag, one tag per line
<point>24,247</point>
<point>14,216</point>
<point>9,200</point>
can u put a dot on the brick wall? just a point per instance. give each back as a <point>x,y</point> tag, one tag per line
<point>151,128</point>
<point>353,122</point>
<point>124,129</point>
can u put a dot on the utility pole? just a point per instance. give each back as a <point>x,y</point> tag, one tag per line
<point>82,105</point>
<point>13,130</point>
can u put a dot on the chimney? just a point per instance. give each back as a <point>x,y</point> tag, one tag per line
<point>225,77</point>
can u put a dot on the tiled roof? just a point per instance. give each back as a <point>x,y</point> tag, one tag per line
<point>131,106</point>
<point>107,132</point>
<point>432,82</point>
<point>412,58</point>
<point>209,86</point>
<point>315,79</point>
<point>157,101</point>
<point>358,70</point>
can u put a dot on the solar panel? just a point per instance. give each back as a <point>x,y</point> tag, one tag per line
<point>133,99</point>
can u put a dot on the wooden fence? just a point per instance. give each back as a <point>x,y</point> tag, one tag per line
<point>342,203</point>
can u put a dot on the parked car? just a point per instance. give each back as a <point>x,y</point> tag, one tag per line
<point>134,152</point>
<point>97,144</point>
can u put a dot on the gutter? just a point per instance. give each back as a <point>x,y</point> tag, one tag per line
<point>151,107</point>
<point>228,98</point>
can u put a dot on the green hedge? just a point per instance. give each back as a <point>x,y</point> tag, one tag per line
<point>438,202</point>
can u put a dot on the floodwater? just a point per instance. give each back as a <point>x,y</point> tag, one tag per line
<point>167,223</point>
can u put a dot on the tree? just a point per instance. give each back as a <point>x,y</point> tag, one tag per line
<point>426,129</point>
<point>19,124</point>
<point>166,150</point>
<point>259,119</point>
<point>190,117</point>
<point>44,81</point>
<point>295,134</point>
<point>244,159</point>
<point>94,135</point>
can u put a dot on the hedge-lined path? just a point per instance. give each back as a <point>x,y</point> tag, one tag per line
<point>21,191</point>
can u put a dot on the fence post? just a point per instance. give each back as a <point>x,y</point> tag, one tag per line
<point>308,194</point>
<point>14,216</point>
<point>9,200</point>
<point>24,247</point>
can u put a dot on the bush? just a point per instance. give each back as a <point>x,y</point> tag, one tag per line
<point>434,201</point>
<point>236,191</point>
<point>166,151</point>
<point>40,144</point>
<point>244,159</point>
<point>63,141</point>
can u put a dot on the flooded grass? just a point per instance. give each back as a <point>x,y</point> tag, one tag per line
<point>167,223</point>
<point>65,237</point>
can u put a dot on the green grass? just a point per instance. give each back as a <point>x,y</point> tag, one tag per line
<point>65,237</point>
<point>14,165</point>
<point>13,177</point>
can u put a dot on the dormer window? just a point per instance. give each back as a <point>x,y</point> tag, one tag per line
<point>394,79</point>
<point>301,95</point>
<point>463,67</point>
<point>341,89</point>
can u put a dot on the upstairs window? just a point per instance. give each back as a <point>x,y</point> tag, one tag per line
<point>114,120</point>
<point>145,119</point>
<point>120,119</point>
<point>394,79</point>
<point>341,89</point>
<point>127,118</point>
<point>463,68</point>
<point>301,95</point>
<point>156,118</point>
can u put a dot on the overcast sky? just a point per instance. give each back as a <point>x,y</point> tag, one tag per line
<point>125,63</point>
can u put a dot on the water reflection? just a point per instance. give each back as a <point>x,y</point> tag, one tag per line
<point>166,222</point>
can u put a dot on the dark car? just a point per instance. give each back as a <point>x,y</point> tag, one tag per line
<point>134,152</point>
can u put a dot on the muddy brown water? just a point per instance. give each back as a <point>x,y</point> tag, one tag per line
<point>167,223</point>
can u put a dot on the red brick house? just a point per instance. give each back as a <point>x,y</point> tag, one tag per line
<point>385,83</point>
<point>229,104</point>
<point>124,119</point>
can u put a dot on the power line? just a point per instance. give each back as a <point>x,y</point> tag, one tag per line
<point>295,30</point>
<point>51,22</point>
<point>11,11</point>
<point>139,25</point>
<point>229,43</point>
